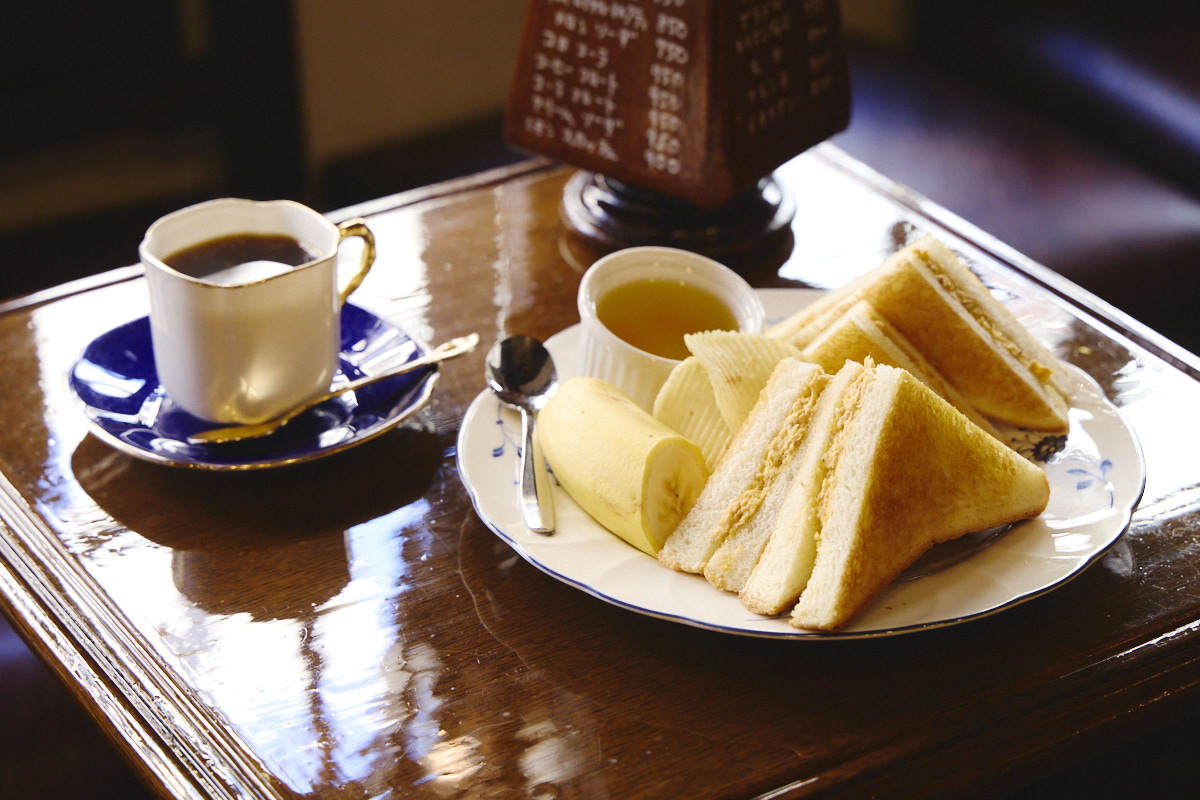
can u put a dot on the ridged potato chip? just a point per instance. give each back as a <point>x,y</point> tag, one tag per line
<point>739,366</point>
<point>686,403</point>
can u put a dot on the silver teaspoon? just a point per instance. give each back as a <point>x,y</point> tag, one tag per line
<point>236,433</point>
<point>521,373</point>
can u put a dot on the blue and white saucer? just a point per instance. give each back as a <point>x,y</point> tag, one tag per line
<point>115,382</point>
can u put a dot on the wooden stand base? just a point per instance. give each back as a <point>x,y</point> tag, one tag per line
<point>748,233</point>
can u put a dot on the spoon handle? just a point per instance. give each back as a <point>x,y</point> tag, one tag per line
<point>234,433</point>
<point>537,503</point>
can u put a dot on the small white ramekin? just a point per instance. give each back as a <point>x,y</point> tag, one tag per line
<point>636,372</point>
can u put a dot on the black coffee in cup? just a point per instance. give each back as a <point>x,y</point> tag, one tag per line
<point>216,256</point>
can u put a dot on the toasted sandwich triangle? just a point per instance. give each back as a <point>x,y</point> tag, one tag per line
<point>744,465</point>
<point>790,513</point>
<point>861,333</point>
<point>943,309</point>
<point>926,293</point>
<point>905,470</point>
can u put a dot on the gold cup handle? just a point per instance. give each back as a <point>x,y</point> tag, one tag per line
<point>357,227</point>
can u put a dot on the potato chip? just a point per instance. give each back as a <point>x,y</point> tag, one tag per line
<point>739,366</point>
<point>686,403</point>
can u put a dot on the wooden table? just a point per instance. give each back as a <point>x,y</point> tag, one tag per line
<point>349,627</point>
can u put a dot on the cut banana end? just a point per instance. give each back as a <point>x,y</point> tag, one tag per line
<point>686,404</point>
<point>674,478</point>
<point>630,472</point>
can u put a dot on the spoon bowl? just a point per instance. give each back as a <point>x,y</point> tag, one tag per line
<point>521,372</point>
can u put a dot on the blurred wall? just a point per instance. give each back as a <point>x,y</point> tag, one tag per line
<point>381,70</point>
<point>885,22</point>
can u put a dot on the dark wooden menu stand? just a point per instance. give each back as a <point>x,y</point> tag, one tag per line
<point>678,111</point>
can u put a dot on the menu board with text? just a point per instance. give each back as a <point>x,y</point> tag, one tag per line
<point>698,99</point>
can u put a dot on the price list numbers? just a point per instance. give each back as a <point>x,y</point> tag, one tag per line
<point>786,78</point>
<point>615,87</point>
<point>666,121</point>
<point>570,94</point>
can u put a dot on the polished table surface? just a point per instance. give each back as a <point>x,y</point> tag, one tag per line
<point>349,627</point>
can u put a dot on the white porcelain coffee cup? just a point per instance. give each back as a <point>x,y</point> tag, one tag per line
<point>248,344</point>
<point>638,373</point>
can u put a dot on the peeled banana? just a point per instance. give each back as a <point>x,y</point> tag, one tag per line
<point>630,472</point>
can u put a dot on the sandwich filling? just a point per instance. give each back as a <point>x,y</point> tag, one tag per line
<point>847,406</point>
<point>1043,373</point>
<point>747,525</point>
<point>711,519</point>
<point>782,448</point>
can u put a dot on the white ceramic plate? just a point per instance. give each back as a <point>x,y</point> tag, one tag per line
<point>1096,479</point>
